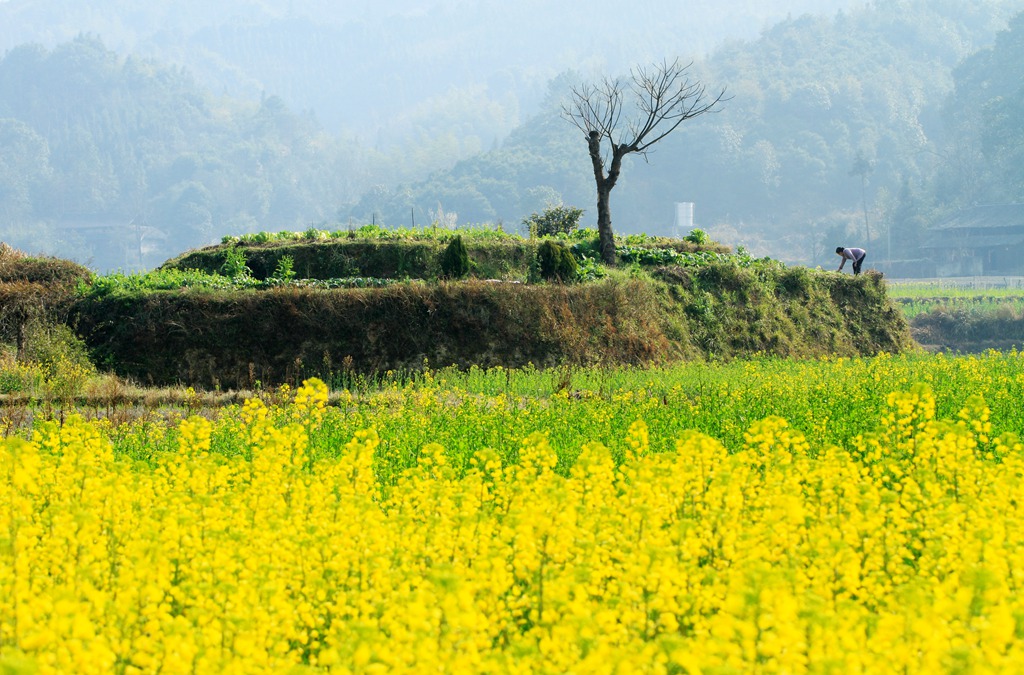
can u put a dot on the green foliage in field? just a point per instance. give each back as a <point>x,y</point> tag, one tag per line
<point>977,306</point>
<point>171,279</point>
<point>962,318</point>
<point>921,297</point>
<point>831,401</point>
<point>377,252</point>
<point>284,272</point>
<point>653,256</point>
<point>698,236</point>
<point>234,263</point>
<point>376,232</point>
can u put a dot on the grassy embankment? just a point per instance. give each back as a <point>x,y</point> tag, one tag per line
<point>268,309</point>
<point>337,307</point>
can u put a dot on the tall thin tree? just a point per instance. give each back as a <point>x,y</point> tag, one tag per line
<point>863,167</point>
<point>659,99</point>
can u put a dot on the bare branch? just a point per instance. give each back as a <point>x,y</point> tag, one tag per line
<point>665,99</point>
<point>595,108</point>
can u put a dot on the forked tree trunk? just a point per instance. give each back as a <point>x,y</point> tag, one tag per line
<point>604,191</point>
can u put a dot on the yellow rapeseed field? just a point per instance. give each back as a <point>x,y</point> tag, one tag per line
<point>902,551</point>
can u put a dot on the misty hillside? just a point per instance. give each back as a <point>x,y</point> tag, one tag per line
<point>120,162</point>
<point>394,71</point>
<point>866,123</point>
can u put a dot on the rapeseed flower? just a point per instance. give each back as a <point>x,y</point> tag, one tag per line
<point>899,549</point>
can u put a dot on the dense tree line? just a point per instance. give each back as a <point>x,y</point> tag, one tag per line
<point>985,151</point>
<point>93,143</point>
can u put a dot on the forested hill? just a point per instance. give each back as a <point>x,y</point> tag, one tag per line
<point>122,162</point>
<point>411,69</point>
<point>861,125</point>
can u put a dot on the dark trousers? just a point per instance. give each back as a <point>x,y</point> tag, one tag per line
<point>858,262</point>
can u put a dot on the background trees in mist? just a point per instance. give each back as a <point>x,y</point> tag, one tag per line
<point>93,137</point>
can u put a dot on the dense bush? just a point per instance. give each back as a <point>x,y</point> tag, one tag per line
<point>795,282</point>
<point>554,220</point>
<point>557,262</point>
<point>455,260</point>
<point>35,296</point>
<point>16,266</point>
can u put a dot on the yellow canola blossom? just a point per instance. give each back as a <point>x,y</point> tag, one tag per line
<point>903,552</point>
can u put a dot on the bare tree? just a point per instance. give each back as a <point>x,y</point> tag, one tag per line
<point>661,97</point>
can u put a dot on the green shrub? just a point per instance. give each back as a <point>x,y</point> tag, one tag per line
<point>698,236</point>
<point>557,262</point>
<point>285,271</point>
<point>553,221</point>
<point>455,260</point>
<point>234,263</point>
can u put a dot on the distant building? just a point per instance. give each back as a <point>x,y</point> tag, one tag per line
<point>978,241</point>
<point>683,224</point>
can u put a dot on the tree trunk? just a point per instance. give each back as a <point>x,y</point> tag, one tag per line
<point>604,191</point>
<point>604,223</point>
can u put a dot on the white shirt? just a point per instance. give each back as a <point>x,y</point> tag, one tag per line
<point>853,254</point>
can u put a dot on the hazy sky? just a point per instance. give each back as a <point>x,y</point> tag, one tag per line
<point>394,55</point>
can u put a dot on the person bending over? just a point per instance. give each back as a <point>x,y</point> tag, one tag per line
<point>857,255</point>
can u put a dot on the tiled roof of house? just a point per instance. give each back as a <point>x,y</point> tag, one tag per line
<point>983,217</point>
<point>962,239</point>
